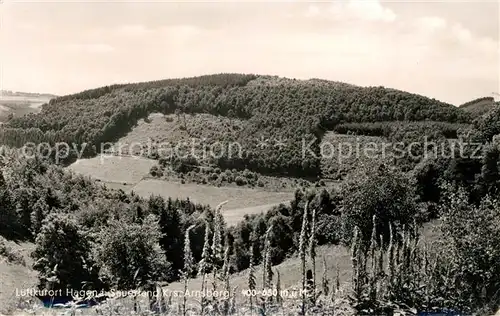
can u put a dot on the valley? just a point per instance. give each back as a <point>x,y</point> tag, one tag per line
<point>19,104</point>
<point>139,206</point>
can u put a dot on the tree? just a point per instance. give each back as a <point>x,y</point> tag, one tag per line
<point>387,194</point>
<point>38,214</point>
<point>489,179</point>
<point>170,225</point>
<point>63,255</point>
<point>130,254</point>
<point>8,220</point>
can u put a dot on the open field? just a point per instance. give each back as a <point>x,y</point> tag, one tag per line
<point>241,201</point>
<point>129,173</point>
<point>116,169</point>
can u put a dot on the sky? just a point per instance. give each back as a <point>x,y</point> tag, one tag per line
<point>446,50</point>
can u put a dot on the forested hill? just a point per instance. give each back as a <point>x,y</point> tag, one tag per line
<point>291,109</point>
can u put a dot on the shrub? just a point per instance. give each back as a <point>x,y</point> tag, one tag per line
<point>240,180</point>
<point>329,230</point>
<point>154,171</point>
<point>130,253</point>
<point>185,164</point>
<point>472,241</point>
<point>62,255</point>
<point>248,174</point>
<point>387,194</point>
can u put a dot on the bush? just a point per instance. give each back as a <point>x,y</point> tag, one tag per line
<point>472,242</point>
<point>240,180</point>
<point>329,229</point>
<point>185,164</point>
<point>154,171</point>
<point>63,255</point>
<point>385,193</point>
<point>248,174</point>
<point>130,254</point>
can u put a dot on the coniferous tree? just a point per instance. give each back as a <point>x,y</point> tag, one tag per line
<point>8,218</point>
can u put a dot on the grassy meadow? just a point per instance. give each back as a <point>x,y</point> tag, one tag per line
<point>131,174</point>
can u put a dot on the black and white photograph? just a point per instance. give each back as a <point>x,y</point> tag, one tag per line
<point>249,158</point>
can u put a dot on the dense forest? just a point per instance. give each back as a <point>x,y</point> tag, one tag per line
<point>292,110</point>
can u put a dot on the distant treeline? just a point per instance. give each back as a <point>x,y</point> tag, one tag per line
<point>386,129</point>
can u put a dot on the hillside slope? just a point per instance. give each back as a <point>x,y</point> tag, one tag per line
<point>478,107</point>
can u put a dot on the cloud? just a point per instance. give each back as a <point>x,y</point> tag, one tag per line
<point>371,10</point>
<point>353,10</point>
<point>132,30</point>
<point>364,10</point>
<point>312,11</point>
<point>90,48</point>
<point>431,23</point>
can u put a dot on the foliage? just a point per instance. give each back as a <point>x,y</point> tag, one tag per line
<point>472,238</point>
<point>130,253</point>
<point>389,195</point>
<point>8,219</point>
<point>63,256</point>
<point>386,129</point>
